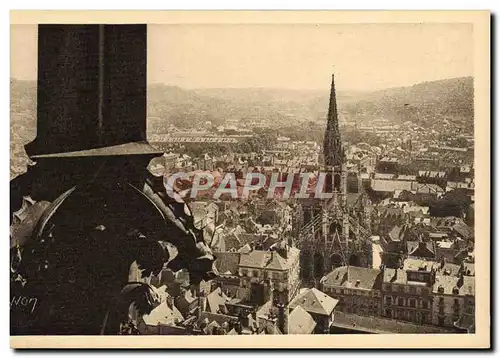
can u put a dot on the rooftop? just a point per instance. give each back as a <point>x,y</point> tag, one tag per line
<point>352,276</point>
<point>450,283</point>
<point>163,314</point>
<point>315,301</point>
<point>300,322</point>
<point>381,325</point>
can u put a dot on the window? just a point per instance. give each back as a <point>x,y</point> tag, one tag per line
<point>401,301</point>
<point>413,316</point>
<point>256,273</point>
<point>425,304</point>
<point>388,300</point>
<point>441,301</point>
<point>441,321</point>
<point>412,302</point>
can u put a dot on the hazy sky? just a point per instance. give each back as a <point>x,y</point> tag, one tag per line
<point>363,56</point>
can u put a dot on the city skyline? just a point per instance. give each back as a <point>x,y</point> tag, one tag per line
<point>295,57</point>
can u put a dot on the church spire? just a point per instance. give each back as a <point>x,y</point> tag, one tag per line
<point>332,146</point>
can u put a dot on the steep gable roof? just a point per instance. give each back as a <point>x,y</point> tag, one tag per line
<point>216,301</point>
<point>277,262</point>
<point>315,301</point>
<point>420,249</point>
<point>353,276</point>
<point>255,258</point>
<point>395,276</point>
<point>300,322</point>
<point>227,262</point>
<point>163,314</point>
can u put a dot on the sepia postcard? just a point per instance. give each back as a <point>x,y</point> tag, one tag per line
<point>257,179</point>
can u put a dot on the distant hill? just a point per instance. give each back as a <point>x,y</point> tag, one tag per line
<point>434,100</point>
<point>427,101</point>
<point>446,98</point>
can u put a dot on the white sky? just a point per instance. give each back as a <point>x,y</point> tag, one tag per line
<point>363,56</point>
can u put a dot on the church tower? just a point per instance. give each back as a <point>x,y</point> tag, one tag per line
<point>332,146</point>
<point>333,152</point>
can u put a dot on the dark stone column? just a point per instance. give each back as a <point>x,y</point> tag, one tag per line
<point>91,88</point>
<point>106,210</point>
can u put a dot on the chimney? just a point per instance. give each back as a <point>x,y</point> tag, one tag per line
<point>170,301</point>
<point>282,318</point>
<point>395,276</point>
<point>443,261</point>
<point>283,249</point>
<point>201,306</point>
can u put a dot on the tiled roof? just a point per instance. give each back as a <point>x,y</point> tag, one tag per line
<point>428,188</point>
<point>419,264</point>
<point>390,185</point>
<point>463,229</point>
<point>245,249</point>
<point>384,176</point>
<point>382,325</point>
<point>188,296</point>
<point>216,301</point>
<point>469,267</point>
<point>163,314</point>
<point>395,276</point>
<point>265,259</point>
<point>209,317</point>
<point>315,301</point>
<point>448,283</point>
<point>255,258</point>
<point>349,276</point>
<point>277,263</point>
<point>300,322</point>
<point>247,238</point>
<point>396,233</point>
<point>227,262</point>
<point>420,249</point>
<point>449,268</point>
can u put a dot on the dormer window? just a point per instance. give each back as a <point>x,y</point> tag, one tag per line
<point>456,291</point>
<point>440,289</point>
